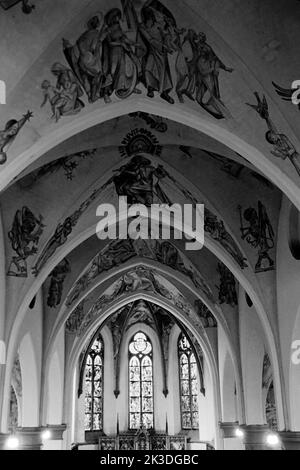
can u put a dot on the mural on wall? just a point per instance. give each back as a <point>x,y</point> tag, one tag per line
<point>259,234</point>
<point>68,164</point>
<point>126,48</point>
<point>16,377</point>
<point>57,279</point>
<point>231,167</point>
<point>285,93</point>
<point>118,252</point>
<point>140,279</point>
<point>216,229</point>
<point>282,146</point>
<point>144,312</point>
<point>140,141</point>
<point>63,231</point>
<point>27,7</point>
<point>63,97</point>
<point>24,237</point>
<point>269,394</point>
<point>227,287</point>
<point>75,319</point>
<point>10,132</point>
<point>141,182</point>
<point>207,318</point>
<point>13,418</point>
<point>156,123</point>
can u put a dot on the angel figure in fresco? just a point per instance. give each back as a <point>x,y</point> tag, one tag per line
<point>282,146</point>
<point>24,237</point>
<point>260,234</point>
<point>64,97</point>
<point>86,59</point>
<point>227,287</point>
<point>10,132</point>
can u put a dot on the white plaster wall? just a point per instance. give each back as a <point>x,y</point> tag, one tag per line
<point>55,383</point>
<point>227,380</point>
<point>30,354</point>
<point>252,355</point>
<point>288,298</point>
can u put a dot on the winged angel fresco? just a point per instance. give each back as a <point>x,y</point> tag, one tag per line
<point>131,46</point>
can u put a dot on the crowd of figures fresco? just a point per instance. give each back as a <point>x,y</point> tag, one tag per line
<point>141,182</point>
<point>120,251</point>
<point>126,48</point>
<point>139,279</point>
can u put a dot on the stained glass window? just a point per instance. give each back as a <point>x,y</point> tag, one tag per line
<point>188,385</point>
<point>140,383</point>
<point>94,386</point>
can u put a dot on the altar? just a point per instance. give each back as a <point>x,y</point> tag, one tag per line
<point>144,440</point>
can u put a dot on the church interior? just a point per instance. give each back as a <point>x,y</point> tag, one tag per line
<point>140,344</point>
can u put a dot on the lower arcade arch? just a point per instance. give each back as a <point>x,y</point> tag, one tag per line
<point>72,365</point>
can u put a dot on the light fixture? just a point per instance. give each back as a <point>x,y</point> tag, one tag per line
<point>46,435</point>
<point>12,443</point>
<point>239,433</point>
<point>273,440</point>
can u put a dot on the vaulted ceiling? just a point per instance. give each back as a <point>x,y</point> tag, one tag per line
<point>213,151</point>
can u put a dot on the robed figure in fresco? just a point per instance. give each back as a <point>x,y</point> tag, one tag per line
<point>156,73</point>
<point>86,59</point>
<point>139,180</point>
<point>24,237</point>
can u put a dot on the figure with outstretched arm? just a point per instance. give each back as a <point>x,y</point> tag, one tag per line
<point>10,132</point>
<point>282,146</point>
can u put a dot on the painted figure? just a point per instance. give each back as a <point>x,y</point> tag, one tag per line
<point>86,60</point>
<point>24,237</point>
<point>139,181</point>
<point>58,277</point>
<point>9,133</point>
<point>208,320</point>
<point>156,73</point>
<point>27,8</point>
<point>64,97</point>
<point>259,234</point>
<point>282,146</point>
<point>119,56</point>
<point>204,71</point>
<point>227,288</point>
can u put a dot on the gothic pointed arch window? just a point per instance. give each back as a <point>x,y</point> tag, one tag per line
<point>188,385</point>
<point>94,386</point>
<point>140,383</point>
